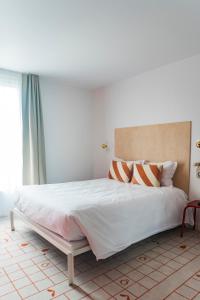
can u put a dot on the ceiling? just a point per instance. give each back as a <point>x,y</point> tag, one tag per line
<point>93,43</point>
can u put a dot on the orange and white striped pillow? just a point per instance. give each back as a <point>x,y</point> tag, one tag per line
<point>121,171</point>
<point>149,175</point>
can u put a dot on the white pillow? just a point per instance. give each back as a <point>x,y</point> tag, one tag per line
<point>169,168</point>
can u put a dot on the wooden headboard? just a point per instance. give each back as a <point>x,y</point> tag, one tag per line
<point>171,141</point>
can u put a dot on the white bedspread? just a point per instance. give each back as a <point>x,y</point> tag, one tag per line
<point>112,215</point>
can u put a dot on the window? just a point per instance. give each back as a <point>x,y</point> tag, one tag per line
<point>10,131</point>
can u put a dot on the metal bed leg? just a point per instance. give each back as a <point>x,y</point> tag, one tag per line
<point>70,262</point>
<point>12,225</point>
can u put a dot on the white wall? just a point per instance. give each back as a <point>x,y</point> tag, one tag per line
<point>168,94</point>
<point>67,126</point>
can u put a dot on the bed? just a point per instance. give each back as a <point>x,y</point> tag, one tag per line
<point>105,215</point>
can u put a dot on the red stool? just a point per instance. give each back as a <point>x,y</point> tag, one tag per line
<point>194,204</point>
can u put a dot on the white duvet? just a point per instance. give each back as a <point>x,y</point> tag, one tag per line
<point>112,215</point>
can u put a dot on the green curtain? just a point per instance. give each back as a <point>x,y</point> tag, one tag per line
<point>34,166</point>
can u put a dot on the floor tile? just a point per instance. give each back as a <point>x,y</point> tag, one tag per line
<point>174,265</point>
<point>4,279</point>
<point>145,269</point>
<point>75,294</point>
<point>193,283</point>
<point>11,296</point>
<point>61,288</point>
<point>134,263</point>
<point>157,276</point>
<point>166,270</point>
<point>57,278</point>
<point>162,259</point>
<point>137,289</point>
<point>151,254</point>
<point>43,284</point>
<point>37,276</point>
<point>143,258</point>
<point>31,270</point>
<point>102,280</point>
<point>61,297</point>
<point>186,291</point>
<point>175,296</point>
<point>44,295</point>
<point>196,276</point>
<point>51,271</point>
<point>158,250</point>
<point>27,291</point>
<point>148,282</point>
<point>197,297</point>
<point>169,254</point>
<point>124,268</point>
<point>124,295</point>
<point>188,255</point>
<point>112,288</point>
<point>154,264</point>
<point>22,282</point>
<point>124,282</point>
<point>114,274</point>
<point>26,263</point>
<point>6,288</point>
<point>182,260</point>
<point>89,287</point>
<point>16,275</point>
<point>99,294</point>
<point>135,275</point>
<point>12,268</point>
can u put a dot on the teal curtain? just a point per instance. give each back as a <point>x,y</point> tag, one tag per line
<point>34,166</point>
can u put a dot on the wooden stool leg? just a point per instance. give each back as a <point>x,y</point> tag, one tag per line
<point>183,221</point>
<point>194,216</point>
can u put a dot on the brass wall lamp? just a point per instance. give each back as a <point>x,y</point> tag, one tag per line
<point>197,164</point>
<point>104,146</point>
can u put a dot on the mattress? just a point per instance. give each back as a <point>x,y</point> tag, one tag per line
<point>110,214</point>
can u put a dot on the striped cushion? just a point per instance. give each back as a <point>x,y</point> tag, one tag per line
<point>149,175</point>
<point>121,171</point>
<point>169,168</point>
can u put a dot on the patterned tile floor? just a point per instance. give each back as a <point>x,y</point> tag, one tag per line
<point>162,267</point>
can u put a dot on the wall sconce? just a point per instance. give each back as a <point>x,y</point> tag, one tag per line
<point>104,146</point>
<point>198,144</point>
<point>197,164</point>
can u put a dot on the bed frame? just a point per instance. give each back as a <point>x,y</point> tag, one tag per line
<point>71,249</point>
<point>172,142</point>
